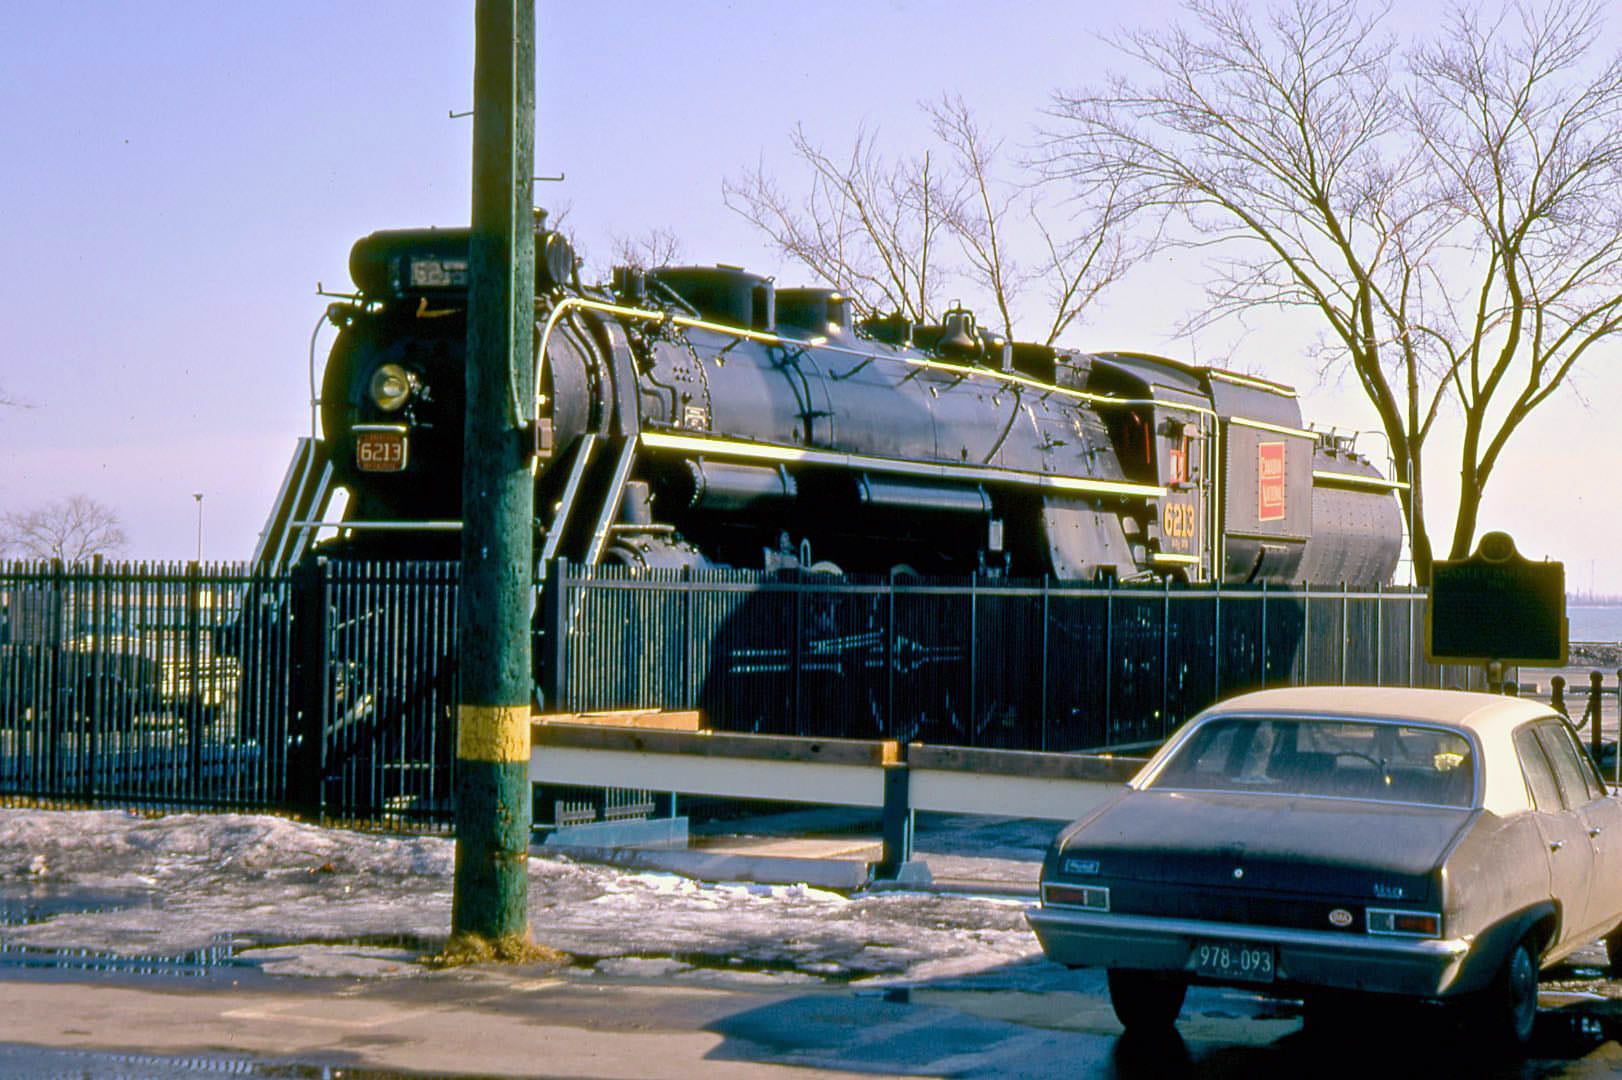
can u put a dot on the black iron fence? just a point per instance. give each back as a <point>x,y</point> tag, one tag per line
<point>1038,666</point>
<point>144,683</point>
<point>332,690</point>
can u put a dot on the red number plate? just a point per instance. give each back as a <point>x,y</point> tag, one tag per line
<point>380,451</point>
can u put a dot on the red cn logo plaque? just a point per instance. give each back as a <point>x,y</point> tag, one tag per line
<point>1270,481</point>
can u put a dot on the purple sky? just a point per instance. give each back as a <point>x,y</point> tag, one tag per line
<point>177,177</point>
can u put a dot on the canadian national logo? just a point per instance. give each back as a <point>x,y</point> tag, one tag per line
<point>1269,481</point>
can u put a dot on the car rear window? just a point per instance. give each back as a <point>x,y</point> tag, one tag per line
<point>1332,758</point>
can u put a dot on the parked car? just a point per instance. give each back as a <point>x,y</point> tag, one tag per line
<point>1321,842</point>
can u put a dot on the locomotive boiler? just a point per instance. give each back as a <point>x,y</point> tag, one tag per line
<point>702,417</point>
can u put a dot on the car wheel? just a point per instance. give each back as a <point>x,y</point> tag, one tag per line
<point>1509,1007</point>
<point>1146,1000</point>
<point>1332,1014</point>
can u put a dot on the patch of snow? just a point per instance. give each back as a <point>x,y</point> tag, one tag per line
<point>262,880</point>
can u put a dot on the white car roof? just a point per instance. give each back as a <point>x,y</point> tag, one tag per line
<point>1489,717</point>
<point>1481,713</point>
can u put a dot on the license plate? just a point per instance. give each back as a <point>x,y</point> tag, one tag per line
<point>380,451</point>
<point>1232,960</point>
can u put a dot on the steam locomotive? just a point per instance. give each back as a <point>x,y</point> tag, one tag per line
<point>701,417</point>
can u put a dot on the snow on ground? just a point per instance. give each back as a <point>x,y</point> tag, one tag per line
<point>182,882</point>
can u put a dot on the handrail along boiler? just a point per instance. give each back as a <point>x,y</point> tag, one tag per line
<point>701,417</point>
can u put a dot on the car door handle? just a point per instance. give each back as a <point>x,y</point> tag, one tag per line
<point>1595,831</point>
<point>1556,845</point>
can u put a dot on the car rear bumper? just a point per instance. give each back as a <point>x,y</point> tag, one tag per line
<point>1304,958</point>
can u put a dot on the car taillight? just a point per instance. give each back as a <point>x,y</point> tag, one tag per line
<point>1408,923</point>
<point>1092,897</point>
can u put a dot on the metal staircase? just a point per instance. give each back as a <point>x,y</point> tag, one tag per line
<point>294,517</point>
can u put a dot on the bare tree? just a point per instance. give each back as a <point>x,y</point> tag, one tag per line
<point>866,225</point>
<point>654,248</point>
<point>73,530</point>
<point>1450,211</point>
<point>893,234</point>
<point>993,217</point>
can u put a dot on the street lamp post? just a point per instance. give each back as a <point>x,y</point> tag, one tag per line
<point>198,495</point>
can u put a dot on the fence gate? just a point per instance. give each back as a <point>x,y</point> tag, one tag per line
<point>384,712</point>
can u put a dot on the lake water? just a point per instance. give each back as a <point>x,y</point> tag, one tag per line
<point>1594,623</point>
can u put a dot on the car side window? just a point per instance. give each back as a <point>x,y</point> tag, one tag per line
<point>1535,767</point>
<point>1591,773</point>
<point>1576,780</point>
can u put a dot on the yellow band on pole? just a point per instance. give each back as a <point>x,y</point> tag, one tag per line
<point>498,734</point>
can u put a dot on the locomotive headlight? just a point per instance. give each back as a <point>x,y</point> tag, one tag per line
<point>391,387</point>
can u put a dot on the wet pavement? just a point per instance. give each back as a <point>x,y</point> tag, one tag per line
<point>626,1020</point>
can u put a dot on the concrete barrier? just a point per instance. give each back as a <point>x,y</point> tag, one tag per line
<point>1013,783</point>
<point>642,750</point>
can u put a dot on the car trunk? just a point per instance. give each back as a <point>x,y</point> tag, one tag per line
<point>1261,844</point>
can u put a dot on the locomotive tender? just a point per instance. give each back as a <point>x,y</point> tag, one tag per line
<point>701,417</point>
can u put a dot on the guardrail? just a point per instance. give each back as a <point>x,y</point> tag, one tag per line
<point>885,774</point>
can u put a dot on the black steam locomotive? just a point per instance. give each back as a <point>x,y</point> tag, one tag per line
<point>701,417</point>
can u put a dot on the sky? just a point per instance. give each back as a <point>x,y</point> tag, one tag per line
<point>177,178</point>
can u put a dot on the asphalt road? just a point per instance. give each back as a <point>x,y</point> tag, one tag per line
<point>1029,1020</point>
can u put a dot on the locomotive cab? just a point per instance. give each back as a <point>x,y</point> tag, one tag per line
<point>1162,437</point>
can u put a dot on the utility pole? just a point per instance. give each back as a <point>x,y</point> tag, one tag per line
<point>491,897</point>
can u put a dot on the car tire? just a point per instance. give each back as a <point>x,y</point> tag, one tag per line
<point>1146,1000</point>
<point>1333,1014</point>
<point>1508,1008</point>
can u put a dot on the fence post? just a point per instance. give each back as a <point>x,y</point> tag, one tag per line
<point>1306,634</point>
<point>1379,635</point>
<point>974,661</point>
<point>1264,635</point>
<point>1043,708</point>
<point>1412,644</point>
<point>1165,655</point>
<point>62,674</point>
<point>891,728</point>
<point>306,726</point>
<point>689,689</point>
<point>1345,632</point>
<point>797,643</point>
<point>194,705</point>
<point>1596,707</point>
<point>1109,659</point>
<point>93,682</point>
<point>554,655</point>
<point>898,819</point>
